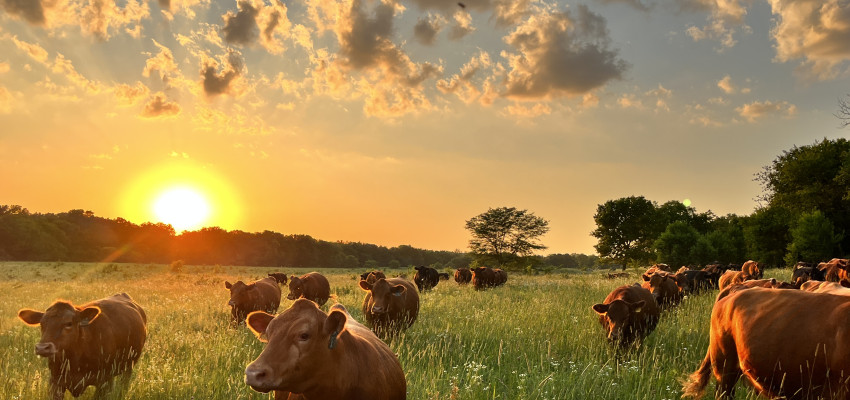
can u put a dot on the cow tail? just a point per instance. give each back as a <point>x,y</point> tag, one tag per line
<point>694,386</point>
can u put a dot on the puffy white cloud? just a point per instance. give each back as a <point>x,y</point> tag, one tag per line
<point>757,110</point>
<point>726,19</point>
<point>726,85</point>
<point>129,95</point>
<point>814,31</point>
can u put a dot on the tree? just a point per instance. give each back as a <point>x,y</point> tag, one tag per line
<point>504,234</point>
<point>674,246</point>
<point>844,111</point>
<point>766,234</point>
<point>813,239</point>
<point>623,227</point>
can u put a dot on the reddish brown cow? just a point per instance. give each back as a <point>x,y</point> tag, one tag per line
<point>372,276</point>
<point>629,313</point>
<point>280,277</point>
<point>311,286</point>
<point>731,277</point>
<point>89,345</point>
<point>839,288</point>
<point>663,288</point>
<point>835,270</point>
<point>391,305</point>
<point>762,283</point>
<point>311,355</point>
<point>786,343</point>
<point>483,278</point>
<point>501,276</point>
<point>463,276</point>
<point>261,295</point>
<point>752,269</point>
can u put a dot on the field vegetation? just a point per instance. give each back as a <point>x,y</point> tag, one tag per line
<point>534,338</point>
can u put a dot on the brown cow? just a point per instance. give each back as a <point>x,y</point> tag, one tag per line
<point>280,277</point>
<point>786,343</point>
<point>629,313</point>
<point>322,357</point>
<point>372,276</point>
<point>89,344</point>
<point>483,278</point>
<point>391,305</point>
<point>664,289</point>
<point>731,277</point>
<point>754,283</point>
<point>463,276</point>
<point>426,278</point>
<point>752,269</point>
<point>311,286</point>
<point>501,276</point>
<point>839,288</point>
<point>261,295</point>
<point>835,270</point>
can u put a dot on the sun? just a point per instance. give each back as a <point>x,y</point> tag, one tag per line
<point>184,208</point>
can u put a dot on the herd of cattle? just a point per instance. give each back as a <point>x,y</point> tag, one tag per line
<point>788,344</point>
<point>309,354</point>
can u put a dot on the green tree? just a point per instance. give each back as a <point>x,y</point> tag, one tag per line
<point>505,234</point>
<point>624,228</point>
<point>674,246</point>
<point>561,261</point>
<point>813,239</point>
<point>766,234</point>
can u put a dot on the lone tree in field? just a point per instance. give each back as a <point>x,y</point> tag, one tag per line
<point>625,229</point>
<point>504,234</point>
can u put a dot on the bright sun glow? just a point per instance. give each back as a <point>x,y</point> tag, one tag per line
<point>183,207</point>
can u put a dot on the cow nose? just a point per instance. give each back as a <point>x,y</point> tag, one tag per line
<point>231,303</point>
<point>377,309</point>
<point>45,349</point>
<point>256,375</point>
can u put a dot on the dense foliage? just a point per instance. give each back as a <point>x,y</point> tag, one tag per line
<point>505,234</point>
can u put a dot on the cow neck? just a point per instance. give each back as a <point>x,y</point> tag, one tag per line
<point>326,388</point>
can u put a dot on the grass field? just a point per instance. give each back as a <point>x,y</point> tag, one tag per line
<point>534,338</point>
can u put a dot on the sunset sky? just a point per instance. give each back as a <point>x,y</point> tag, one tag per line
<point>393,122</point>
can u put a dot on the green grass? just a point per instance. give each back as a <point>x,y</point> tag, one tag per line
<point>534,338</point>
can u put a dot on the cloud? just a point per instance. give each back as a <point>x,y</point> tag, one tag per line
<point>97,17</point>
<point>462,26</point>
<point>31,11</point>
<point>426,29</point>
<point>815,31</point>
<point>214,82</point>
<point>725,20</point>
<point>159,106</point>
<point>241,27</point>
<point>560,54</point>
<point>4,67</point>
<point>128,95</point>
<point>275,24</point>
<point>6,100</point>
<point>757,110</point>
<point>257,22</point>
<point>520,110</point>
<point>35,51</point>
<point>463,84</point>
<point>726,85</point>
<point>637,4</point>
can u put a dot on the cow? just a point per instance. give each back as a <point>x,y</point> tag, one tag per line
<point>786,343</point>
<point>372,276</point>
<point>835,270</point>
<point>752,269</point>
<point>391,305</point>
<point>839,288</point>
<point>501,277</point>
<point>762,283</point>
<point>463,276</point>
<point>714,272</point>
<point>280,277</point>
<point>310,355</point>
<point>483,278</point>
<point>731,277</point>
<point>311,286</point>
<point>89,345</point>
<point>664,289</point>
<point>263,294</point>
<point>444,276</point>
<point>698,280</point>
<point>426,278</point>
<point>655,268</point>
<point>804,272</point>
<point>628,314</point>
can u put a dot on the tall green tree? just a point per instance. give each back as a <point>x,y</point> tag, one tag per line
<point>813,239</point>
<point>504,234</point>
<point>674,246</point>
<point>766,234</point>
<point>625,228</point>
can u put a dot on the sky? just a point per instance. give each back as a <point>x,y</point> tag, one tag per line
<point>393,122</point>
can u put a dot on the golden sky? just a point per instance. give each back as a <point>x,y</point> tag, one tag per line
<point>393,122</point>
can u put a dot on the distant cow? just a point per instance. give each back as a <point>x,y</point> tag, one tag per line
<point>835,270</point>
<point>311,286</point>
<point>804,272</point>
<point>698,280</point>
<point>444,276</point>
<point>322,357</point>
<point>483,278</point>
<point>280,277</point>
<point>786,343</point>
<point>752,269</point>
<point>372,276</point>
<point>731,277</point>
<point>463,276</point>
<point>89,345</point>
<point>391,305</point>
<point>426,278</point>
<point>663,288</point>
<point>261,295</point>
<point>655,268</point>
<point>501,276</point>
<point>629,313</point>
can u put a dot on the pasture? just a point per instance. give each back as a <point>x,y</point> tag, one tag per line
<point>534,338</point>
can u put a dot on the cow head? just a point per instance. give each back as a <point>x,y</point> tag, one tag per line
<point>300,342</point>
<point>615,317</point>
<point>382,294</point>
<point>296,288</point>
<point>656,284</point>
<point>61,326</point>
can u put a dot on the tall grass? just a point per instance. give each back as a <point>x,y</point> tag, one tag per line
<point>535,338</point>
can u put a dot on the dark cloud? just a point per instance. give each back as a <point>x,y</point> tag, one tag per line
<point>426,29</point>
<point>367,41</point>
<point>164,4</point>
<point>159,106</point>
<point>30,10</point>
<point>241,28</point>
<point>216,83</point>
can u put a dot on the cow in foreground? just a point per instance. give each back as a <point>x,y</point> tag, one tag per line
<point>391,305</point>
<point>463,276</point>
<point>629,313</point>
<point>803,354</point>
<point>261,295</point>
<point>311,355</point>
<point>426,278</point>
<point>89,345</point>
<point>311,286</point>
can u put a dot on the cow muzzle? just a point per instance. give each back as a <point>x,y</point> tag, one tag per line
<point>258,378</point>
<point>378,310</point>
<point>45,349</point>
<point>231,303</point>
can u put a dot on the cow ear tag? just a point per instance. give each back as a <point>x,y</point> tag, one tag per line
<point>84,322</point>
<point>332,341</point>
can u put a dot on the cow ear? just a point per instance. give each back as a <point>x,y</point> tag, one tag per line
<point>227,285</point>
<point>88,314</point>
<point>333,326</point>
<point>258,322</point>
<point>398,290</point>
<point>365,285</point>
<point>600,309</point>
<point>30,317</point>
<point>637,306</point>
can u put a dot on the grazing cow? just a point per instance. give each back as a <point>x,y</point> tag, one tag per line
<point>311,286</point>
<point>752,269</point>
<point>804,272</point>
<point>89,344</point>
<point>483,278</point>
<point>663,288</point>
<point>261,295</point>
<point>501,276</point>
<point>391,305</point>
<point>280,277</point>
<point>372,276</point>
<point>787,343</point>
<point>657,267</point>
<point>426,278</point>
<point>311,355</point>
<point>714,272</point>
<point>762,283</point>
<point>444,276</point>
<point>629,313</point>
<point>463,276</point>
<point>698,280</point>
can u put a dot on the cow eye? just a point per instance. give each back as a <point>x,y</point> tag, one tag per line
<point>304,336</point>
<point>68,325</point>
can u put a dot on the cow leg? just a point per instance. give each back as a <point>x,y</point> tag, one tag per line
<point>728,373</point>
